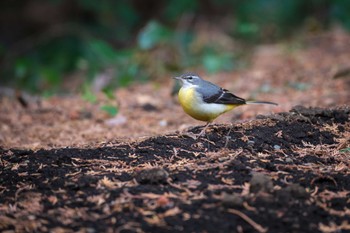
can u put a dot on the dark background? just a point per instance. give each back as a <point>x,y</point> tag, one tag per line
<point>45,46</point>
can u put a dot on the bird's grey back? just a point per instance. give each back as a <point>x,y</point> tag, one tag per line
<point>214,94</point>
<point>207,89</point>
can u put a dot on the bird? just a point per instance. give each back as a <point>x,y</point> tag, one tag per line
<point>205,101</point>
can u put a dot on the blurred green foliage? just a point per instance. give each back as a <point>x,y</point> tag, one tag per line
<point>110,109</point>
<point>340,11</point>
<point>271,18</point>
<point>153,34</point>
<point>140,40</point>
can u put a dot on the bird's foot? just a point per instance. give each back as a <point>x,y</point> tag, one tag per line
<point>191,135</point>
<point>196,136</point>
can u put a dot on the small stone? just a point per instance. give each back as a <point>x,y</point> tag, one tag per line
<point>291,192</point>
<point>289,160</point>
<point>276,147</point>
<point>163,123</point>
<point>297,191</point>
<point>152,176</point>
<point>118,120</point>
<point>250,142</point>
<point>232,200</point>
<point>90,230</point>
<point>260,182</point>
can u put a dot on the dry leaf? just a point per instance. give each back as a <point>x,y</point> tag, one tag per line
<point>172,212</point>
<point>52,199</point>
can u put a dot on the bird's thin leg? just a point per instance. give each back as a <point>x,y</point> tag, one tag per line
<point>228,137</point>
<point>196,136</point>
<point>203,130</point>
<point>228,134</point>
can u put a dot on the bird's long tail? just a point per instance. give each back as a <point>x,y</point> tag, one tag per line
<point>260,102</point>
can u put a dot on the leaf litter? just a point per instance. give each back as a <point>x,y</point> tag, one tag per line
<point>167,184</point>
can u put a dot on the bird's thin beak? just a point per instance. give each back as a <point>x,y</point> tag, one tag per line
<point>177,78</point>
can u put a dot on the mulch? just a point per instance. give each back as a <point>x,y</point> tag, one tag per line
<point>286,172</point>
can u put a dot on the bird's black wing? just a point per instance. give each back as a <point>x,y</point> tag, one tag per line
<point>223,96</point>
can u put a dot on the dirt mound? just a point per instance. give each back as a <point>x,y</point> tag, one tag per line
<point>287,172</point>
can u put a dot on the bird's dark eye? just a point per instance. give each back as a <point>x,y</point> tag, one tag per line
<point>189,77</point>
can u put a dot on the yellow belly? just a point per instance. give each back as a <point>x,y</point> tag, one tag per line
<point>198,109</point>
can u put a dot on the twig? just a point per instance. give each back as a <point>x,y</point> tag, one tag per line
<point>255,225</point>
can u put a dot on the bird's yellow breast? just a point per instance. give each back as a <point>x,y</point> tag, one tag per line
<point>194,105</point>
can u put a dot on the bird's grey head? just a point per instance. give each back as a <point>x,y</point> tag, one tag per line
<point>189,79</point>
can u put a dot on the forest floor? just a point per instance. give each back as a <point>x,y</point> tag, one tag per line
<point>66,166</point>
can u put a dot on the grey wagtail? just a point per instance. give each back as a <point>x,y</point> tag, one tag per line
<point>205,101</point>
